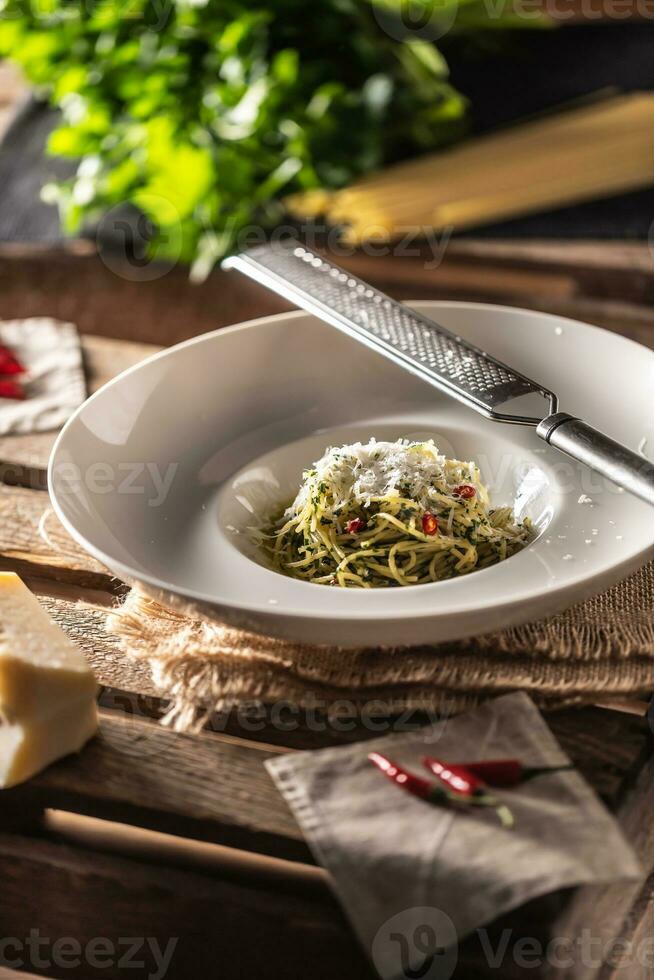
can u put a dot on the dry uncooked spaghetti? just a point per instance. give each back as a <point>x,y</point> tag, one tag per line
<point>591,151</point>
<point>390,514</point>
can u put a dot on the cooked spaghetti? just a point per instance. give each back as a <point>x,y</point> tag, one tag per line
<point>390,514</point>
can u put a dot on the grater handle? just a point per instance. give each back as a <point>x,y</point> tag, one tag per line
<point>590,446</point>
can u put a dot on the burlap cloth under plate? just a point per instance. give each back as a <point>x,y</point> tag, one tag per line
<point>601,648</point>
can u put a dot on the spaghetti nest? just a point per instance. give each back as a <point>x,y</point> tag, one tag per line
<point>390,514</point>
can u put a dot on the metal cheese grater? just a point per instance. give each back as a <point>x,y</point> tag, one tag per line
<point>435,354</point>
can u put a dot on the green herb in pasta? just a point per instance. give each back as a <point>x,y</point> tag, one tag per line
<point>390,514</point>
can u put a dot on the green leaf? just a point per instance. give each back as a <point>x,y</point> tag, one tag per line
<point>430,57</point>
<point>206,113</point>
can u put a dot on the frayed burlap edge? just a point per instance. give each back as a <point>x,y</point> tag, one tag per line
<point>602,647</point>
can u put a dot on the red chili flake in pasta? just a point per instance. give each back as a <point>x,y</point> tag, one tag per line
<point>11,389</point>
<point>429,523</point>
<point>466,491</point>
<point>355,526</point>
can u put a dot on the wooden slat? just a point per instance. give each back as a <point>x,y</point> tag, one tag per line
<point>217,918</point>
<point>32,540</point>
<point>639,933</point>
<point>575,279</point>
<point>208,787</point>
<point>617,912</point>
<point>596,285</point>
<point>109,302</point>
<point>104,358</point>
<point>615,257</point>
<point>221,928</point>
<point>129,683</point>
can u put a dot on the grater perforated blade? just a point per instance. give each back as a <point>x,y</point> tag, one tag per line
<point>418,344</point>
<point>434,354</point>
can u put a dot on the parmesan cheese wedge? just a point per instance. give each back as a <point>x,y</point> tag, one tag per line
<point>47,689</point>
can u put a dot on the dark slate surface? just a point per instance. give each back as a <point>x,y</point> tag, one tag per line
<point>551,68</point>
<point>23,171</point>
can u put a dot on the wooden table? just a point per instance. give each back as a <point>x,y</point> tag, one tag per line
<point>153,834</point>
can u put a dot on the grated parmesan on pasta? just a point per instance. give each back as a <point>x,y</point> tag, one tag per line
<point>378,514</point>
<point>356,473</point>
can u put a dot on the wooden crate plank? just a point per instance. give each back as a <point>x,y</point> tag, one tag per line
<point>113,303</point>
<point>638,950</point>
<point>618,913</point>
<point>608,747</point>
<point>104,358</point>
<point>551,276</point>
<point>620,303</point>
<point>128,682</point>
<point>206,786</point>
<point>283,876</point>
<point>575,256</point>
<point>221,928</point>
<point>33,541</point>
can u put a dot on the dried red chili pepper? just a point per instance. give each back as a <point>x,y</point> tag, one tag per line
<point>465,491</point>
<point>355,526</point>
<point>429,523</point>
<point>11,389</point>
<point>508,772</point>
<point>413,784</point>
<point>9,363</point>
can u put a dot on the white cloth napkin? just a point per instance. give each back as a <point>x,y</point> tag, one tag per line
<point>409,873</point>
<point>54,383</point>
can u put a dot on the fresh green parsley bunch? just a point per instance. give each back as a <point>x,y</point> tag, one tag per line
<point>203,114</point>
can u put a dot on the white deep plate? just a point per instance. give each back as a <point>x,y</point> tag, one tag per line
<point>159,473</point>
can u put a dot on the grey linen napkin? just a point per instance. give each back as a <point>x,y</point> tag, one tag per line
<point>403,868</point>
<point>54,381</point>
